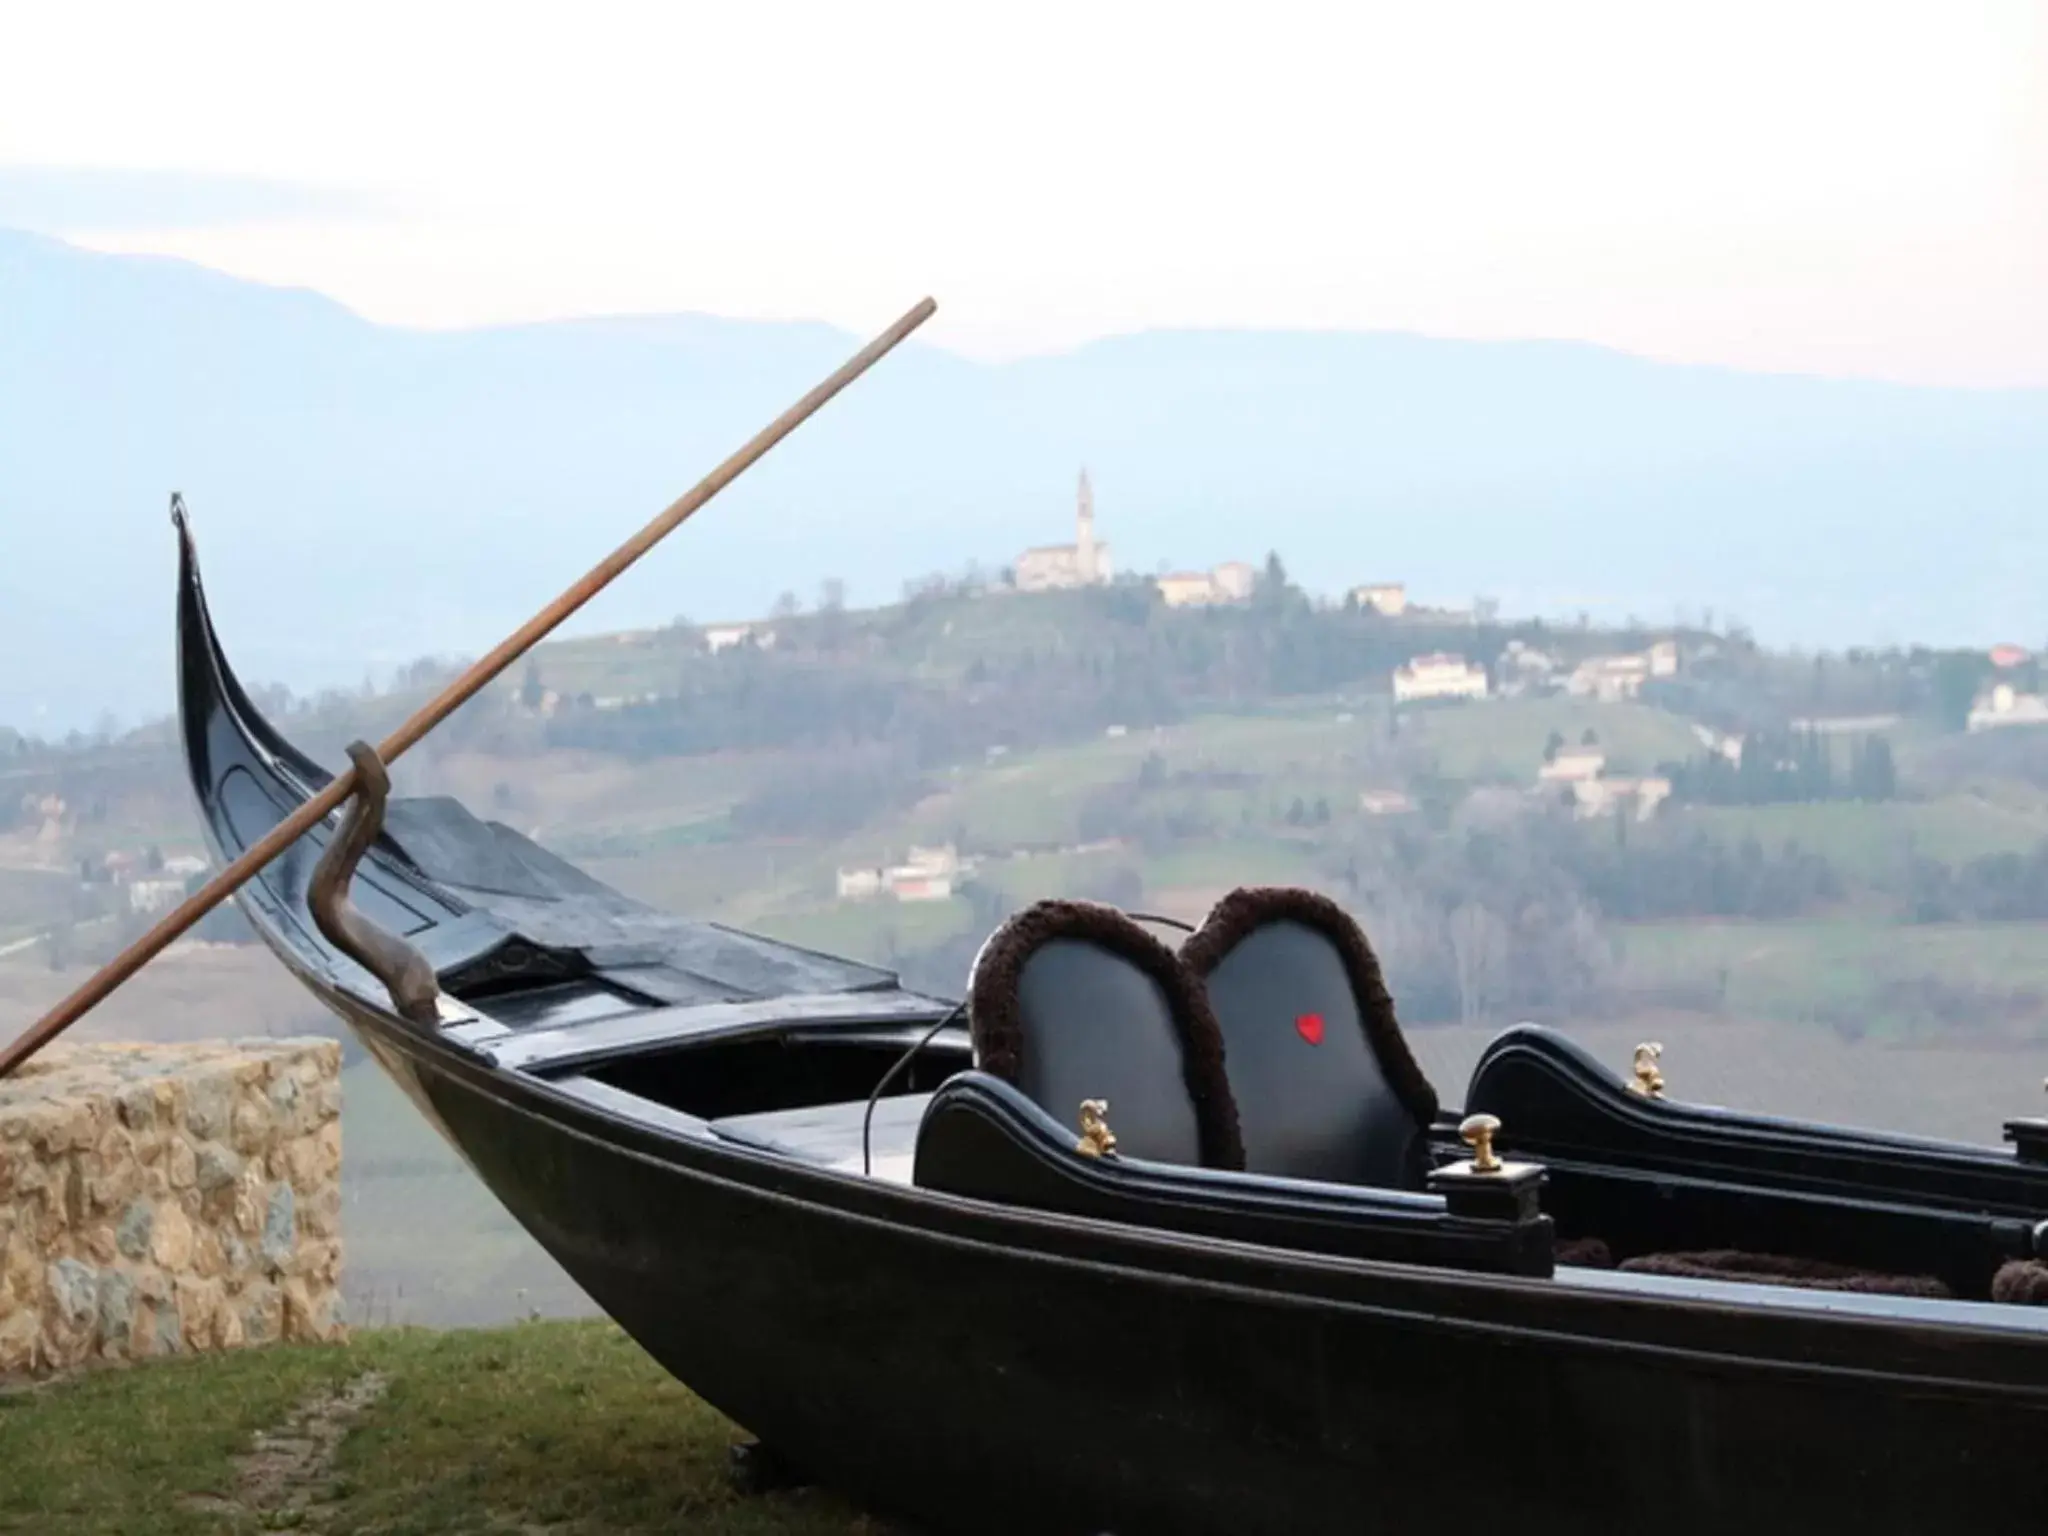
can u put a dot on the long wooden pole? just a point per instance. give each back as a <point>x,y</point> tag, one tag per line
<point>451,698</point>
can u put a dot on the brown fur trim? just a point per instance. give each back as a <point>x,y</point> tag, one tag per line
<point>1584,1252</point>
<point>1776,1269</point>
<point>2022,1283</point>
<point>997,1030</point>
<point>1251,907</point>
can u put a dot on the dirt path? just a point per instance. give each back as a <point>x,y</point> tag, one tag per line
<point>285,1475</point>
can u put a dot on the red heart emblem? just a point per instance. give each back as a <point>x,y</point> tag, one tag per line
<point>1310,1027</point>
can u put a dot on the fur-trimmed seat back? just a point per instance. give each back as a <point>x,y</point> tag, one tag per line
<point>1324,1083</point>
<point>1070,1001</point>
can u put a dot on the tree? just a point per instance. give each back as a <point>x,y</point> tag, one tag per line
<point>1874,776</point>
<point>1479,952</point>
<point>1269,591</point>
<point>1552,746</point>
<point>786,607</point>
<point>1589,737</point>
<point>1957,677</point>
<point>831,595</point>
<point>532,690</point>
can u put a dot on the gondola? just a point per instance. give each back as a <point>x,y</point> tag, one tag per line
<point>1145,1239</point>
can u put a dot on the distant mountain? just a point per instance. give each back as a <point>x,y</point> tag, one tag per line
<point>364,494</point>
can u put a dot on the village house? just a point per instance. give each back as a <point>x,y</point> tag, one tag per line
<point>1229,583</point>
<point>1524,669</point>
<point>2006,657</point>
<point>1389,599</point>
<point>723,637</point>
<point>1729,747</point>
<point>154,895</point>
<point>1609,679</point>
<point>2005,706</point>
<point>1235,580</point>
<point>926,874</point>
<point>1187,589</point>
<point>1601,797</point>
<point>1384,802</point>
<point>1083,563</point>
<point>43,816</point>
<point>859,884</point>
<point>1439,675</point>
<point>1572,766</point>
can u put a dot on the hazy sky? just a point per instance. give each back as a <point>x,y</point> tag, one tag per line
<point>1843,188</point>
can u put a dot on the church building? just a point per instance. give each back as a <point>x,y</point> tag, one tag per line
<point>1083,563</point>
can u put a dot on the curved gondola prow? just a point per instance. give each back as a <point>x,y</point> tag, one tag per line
<point>208,686</point>
<point>245,777</point>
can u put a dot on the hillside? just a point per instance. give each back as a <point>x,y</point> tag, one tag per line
<point>366,494</point>
<point>1803,941</point>
<point>567,1428</point>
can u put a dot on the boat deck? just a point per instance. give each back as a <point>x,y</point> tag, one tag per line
<point>830,1134</point>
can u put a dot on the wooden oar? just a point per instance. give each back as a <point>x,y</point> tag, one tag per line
<point>288,831</point>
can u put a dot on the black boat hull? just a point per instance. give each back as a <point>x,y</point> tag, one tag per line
<point>979,1373</point>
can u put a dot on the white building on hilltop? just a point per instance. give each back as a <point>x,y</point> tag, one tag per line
<point>723,637</point>
<point>1231,582</point>
<point>1609,679</point>
<point>1439,675</point>
<point>1083,563</point>
<point>1387,598</point>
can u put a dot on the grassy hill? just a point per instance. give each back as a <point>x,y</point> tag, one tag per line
<point>566,1428</point>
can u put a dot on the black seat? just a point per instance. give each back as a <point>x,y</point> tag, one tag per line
<point>1069,1001</point>
<point>1323,1080</point>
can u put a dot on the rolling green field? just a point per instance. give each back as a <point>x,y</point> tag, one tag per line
<point>1503,739</point>
<point>1867,839</point>
<point>1961,981</point>
<point>1327,752</point>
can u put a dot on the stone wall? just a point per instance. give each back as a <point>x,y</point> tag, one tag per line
<point>168,1199</point>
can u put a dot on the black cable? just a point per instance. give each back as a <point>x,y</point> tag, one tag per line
<point>1160,917</point>
<point>867,1161</point>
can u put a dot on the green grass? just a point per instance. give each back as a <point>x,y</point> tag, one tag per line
<point>1037,798</point>
<point>1504,738</point>
<point>1869,840</point>
<point>865,930</point>
<point>1886,980</point>
<point>1234,861</point>
<point>563,1427</point>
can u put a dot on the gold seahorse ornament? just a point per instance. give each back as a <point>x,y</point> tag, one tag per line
<point>1097,1139</point>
